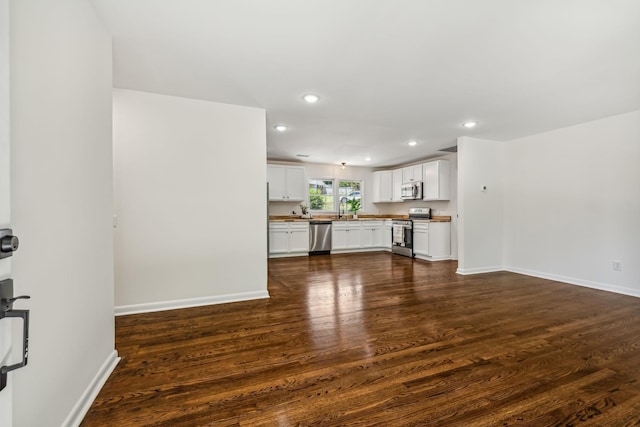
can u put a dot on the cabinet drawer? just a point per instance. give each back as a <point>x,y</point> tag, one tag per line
<point>278,226</point>
<point>299,226</point>
<point>421,226</point>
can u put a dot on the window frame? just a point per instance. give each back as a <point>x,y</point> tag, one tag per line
<point>338,197</point>
<point>333,187</point>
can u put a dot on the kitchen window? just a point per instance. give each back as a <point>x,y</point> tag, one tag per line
<point>321,195</point>
<point>350,190</point>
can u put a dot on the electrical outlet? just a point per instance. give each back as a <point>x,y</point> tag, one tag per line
<point>617,265</point>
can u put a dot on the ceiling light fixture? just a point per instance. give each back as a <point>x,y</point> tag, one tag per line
<point>367,159</point>
<point>280,128</point>
<point>413,143</point>
<point>311,98</point>
<point>344,165</point>
<point>469,125</point>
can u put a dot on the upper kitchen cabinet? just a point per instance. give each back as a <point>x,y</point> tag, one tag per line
<point>436,180</point>
<point>411,174</point>
<point>387,186</point>
<point>383,186</point>
<point>286,183</point>
<point>397,185</point>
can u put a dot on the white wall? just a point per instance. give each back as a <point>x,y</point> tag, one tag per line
<point>61,186</point>
<point>480,222</point>
<point>190,198</point>
<point>573,206</point>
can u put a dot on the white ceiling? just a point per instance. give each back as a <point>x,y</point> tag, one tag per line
<point>387,71</point>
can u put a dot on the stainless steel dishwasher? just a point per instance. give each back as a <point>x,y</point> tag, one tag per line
<point>319,237</point>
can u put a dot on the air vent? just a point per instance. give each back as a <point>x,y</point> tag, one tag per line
<point>453,149</point>
<point>302,155</point>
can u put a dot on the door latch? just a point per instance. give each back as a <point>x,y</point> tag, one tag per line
<point>6,310</point>
<point>8,243</point>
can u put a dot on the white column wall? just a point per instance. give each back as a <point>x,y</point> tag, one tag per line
<point>480,222</point>
<point>190,200</point>
<point>61,186</point>
<point>573,206</point>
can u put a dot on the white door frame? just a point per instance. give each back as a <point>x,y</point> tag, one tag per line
<point>6,395</point>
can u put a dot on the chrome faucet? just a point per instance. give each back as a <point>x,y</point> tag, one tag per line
<point>341,205</point>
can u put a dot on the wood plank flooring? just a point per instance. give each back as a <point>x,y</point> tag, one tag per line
<point>377,339</point>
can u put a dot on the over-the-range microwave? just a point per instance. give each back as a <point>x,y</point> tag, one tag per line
<point>411,191</point>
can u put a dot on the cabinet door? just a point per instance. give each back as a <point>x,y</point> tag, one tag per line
<point>387,235</point>
<point>338,237</point>
<point>277,182</point>
<point>436,180</point>
<point>397,185</point>
<point>386,186</point>
<point>383,186</point>
<point>421,239</point>
<point>366,237</point>
<point>279,239</point>
<point>412,173</point>
<point>299,238</point>
<point>295,183</point>
<point>376,237</point>
<point>354,237</point>
<point>377,183</point>
<point>440,239</point>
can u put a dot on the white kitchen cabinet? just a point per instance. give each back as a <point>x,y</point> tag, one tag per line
<point>286,183</point>
<point>382,186</point>
<point>299,237</point>
<point>436,182</point>
<point>345,235</point>
<point>387,236</point>
<point>432,240</point>
<point>421,238</point>
<point>288,239</point>
<point>278,238</point>
<point>397,185</point>
<point>411,174</point>
<point>371,235</point>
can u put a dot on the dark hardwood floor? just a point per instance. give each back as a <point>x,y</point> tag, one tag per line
<point>379,339</point>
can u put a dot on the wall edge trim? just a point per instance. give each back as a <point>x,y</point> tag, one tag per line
<point>151,307</point>
<point>479,270</point>
<point>83,404</point>
<point>575,281</point>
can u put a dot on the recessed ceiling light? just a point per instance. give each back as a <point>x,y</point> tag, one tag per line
<point>281,128</point>
<point>311,98</point>
<point>367,159</point>
<point>469,125</point>
<point>413,143</point>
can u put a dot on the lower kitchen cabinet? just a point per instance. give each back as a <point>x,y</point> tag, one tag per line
<point>387,234</point>
<point>288,239</point>
<point>432,240</point>
<point>421,239</point>
<point>345,235</point>
<point>371,236</point>
<point>357,236</point>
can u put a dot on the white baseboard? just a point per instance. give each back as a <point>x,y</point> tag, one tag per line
<point>357,250</point>
<point>433,258</point>
<point>189,302</point>
<point>81,407</point>
<point>465,271</point>
<point>287,255</point>
<point>573,281</point>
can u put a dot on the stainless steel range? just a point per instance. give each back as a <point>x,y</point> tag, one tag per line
<point>402,231</point>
